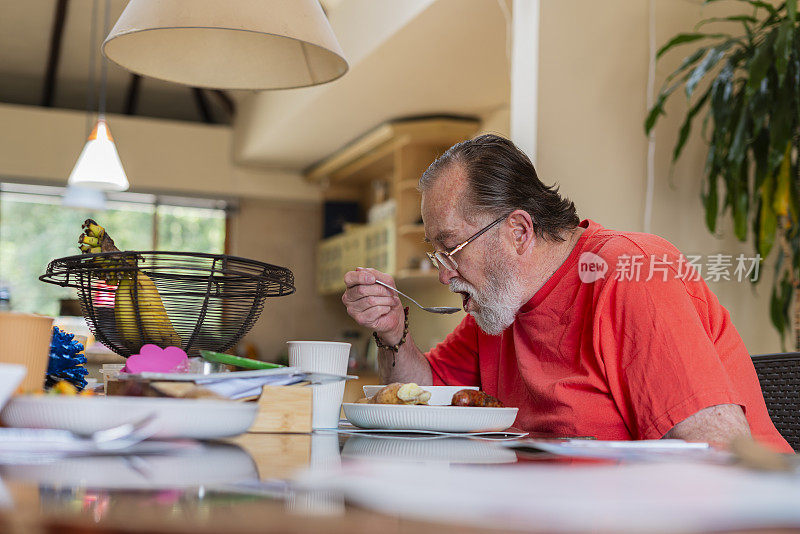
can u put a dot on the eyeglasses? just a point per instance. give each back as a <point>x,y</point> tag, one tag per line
<point>446,258</point>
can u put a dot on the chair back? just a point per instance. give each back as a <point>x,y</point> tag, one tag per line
<point>779,375</point>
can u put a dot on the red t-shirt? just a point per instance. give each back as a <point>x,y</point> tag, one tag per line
<point>616,357</point>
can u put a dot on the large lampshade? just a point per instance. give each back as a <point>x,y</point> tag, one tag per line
<point>98,165</point>
<point>227,44</point>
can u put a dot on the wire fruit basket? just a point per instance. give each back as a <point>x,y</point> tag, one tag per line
<point>195,301</point>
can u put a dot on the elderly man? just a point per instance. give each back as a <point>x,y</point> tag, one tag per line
<point>552,327</point>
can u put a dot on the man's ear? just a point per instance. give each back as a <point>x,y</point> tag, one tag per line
<point>522,236</point>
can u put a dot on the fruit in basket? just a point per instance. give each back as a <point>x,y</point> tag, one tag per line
<point>139,289</point>
<point>136,300</point>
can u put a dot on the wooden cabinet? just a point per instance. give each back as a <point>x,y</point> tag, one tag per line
<point>390,159</point>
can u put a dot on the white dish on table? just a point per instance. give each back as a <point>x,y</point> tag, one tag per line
<point>440,395</point>
<point>434,418</point>
<point>175,418</point>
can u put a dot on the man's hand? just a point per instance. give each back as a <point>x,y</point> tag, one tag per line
<point>717,425</point>
<point>374,306</point>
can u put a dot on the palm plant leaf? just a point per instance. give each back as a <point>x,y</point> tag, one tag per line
<point>747,89</point>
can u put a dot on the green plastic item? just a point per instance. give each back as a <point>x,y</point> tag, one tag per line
<point>229,359</point>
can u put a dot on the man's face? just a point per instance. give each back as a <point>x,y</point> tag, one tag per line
<point>486,276</point>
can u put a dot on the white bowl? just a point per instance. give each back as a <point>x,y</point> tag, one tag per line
<point>440,395</point>
<point>175,418</point>
<point>431,418</point>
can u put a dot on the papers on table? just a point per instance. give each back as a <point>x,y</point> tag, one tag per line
<point>239,388</point>
<point>636,497</point>
<point>241,384</point>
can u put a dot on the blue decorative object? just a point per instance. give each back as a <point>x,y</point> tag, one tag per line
<point>66,360</point>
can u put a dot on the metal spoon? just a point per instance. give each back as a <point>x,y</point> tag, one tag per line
<point>432,309</point>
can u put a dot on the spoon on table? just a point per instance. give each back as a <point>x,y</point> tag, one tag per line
<point>432,309</point>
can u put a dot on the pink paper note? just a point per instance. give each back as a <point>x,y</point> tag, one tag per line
<point>154,359</point>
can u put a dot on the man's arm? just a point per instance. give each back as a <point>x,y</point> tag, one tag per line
<point>410,365</point>
<point>380,309</point>
<point>717,425</point>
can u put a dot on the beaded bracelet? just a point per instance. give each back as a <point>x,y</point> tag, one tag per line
<point>394,348</point>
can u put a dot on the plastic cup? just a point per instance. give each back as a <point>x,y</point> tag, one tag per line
<point>322,357</point>
<point>25,340</point>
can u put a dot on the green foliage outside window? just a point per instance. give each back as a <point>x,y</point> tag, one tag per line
<point>185,229</point>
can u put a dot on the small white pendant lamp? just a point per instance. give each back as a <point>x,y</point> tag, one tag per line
<point>227,44</point>
<point>99,166</point>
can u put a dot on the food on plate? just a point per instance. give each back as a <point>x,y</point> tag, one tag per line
<point>136,299</point>
<point>399,393</point>
<point>473,397</point>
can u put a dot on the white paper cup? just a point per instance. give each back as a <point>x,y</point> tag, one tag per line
<point>322,357</point>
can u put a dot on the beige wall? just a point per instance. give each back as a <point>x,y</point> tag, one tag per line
<point>592,90</point>
<point>285,234</point>
<point>43,144</point>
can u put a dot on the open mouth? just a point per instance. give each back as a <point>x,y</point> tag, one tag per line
<point>466,298</point>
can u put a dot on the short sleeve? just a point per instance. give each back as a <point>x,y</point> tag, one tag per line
<point>454,361</point>
<point>656,342</point>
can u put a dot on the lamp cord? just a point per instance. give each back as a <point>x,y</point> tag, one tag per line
<point>103,66</point>
<point>90,89</point>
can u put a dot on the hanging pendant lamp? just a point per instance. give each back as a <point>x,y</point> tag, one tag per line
<point>99,166</point>
<point>231,44</point>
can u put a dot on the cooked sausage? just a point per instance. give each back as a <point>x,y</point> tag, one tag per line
<point>473,397</point>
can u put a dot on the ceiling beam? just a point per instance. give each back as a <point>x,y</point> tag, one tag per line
<point>132,95</point>
<point>227,102</point>
<point>57,31</point>
<point>202,105</point>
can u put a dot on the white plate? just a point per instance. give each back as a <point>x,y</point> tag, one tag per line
<point>176,418</point>
<point>437,418</point>
<point>440,395</point>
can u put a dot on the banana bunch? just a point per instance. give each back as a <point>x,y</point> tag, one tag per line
<point>136,294</point>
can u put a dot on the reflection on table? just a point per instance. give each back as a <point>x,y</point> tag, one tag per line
<point>329,482</point>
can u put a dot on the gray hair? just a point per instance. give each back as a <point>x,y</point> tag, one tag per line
<point>501,179</point>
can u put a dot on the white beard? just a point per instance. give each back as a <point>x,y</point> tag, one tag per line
<point>495,308</point>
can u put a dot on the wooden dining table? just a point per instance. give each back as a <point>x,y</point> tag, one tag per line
<point>204,492</point>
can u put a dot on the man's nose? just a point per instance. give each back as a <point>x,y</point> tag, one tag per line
<point>445,275</point>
